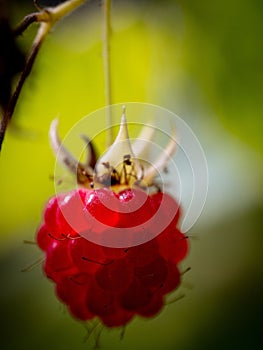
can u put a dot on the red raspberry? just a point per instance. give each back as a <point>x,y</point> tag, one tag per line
<point>113,284</point>
<point>98,279</point>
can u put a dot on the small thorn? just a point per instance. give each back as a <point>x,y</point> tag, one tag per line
<point>97,262</point>
<point>33,265</point>
<point>185,271</point>
<point>97,337</point>
<point>123,330</point>
<point>175,299</point>
<point>183,238</point>
<point>90,331</point>
<point>57,239</point>
<point>194,237</point>
<point>25,241</point>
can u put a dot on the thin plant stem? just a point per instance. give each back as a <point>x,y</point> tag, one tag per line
<point>65,8</point>
<point>107,68</point>
<point>29,19</point>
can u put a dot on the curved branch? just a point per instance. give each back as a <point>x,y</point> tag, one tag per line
<point>47,17</point>
<point>29,19</point>
<point>8,112</point>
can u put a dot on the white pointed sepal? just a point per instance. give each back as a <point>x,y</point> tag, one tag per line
<point>119,164</point>
<point>83,172</point>
<point>162,161</point>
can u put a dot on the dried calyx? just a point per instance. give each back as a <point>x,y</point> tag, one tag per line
<point>121,166</point>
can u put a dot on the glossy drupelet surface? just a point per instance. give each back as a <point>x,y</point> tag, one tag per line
<point>113,284</point>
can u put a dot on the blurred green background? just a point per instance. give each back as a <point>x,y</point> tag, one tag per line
<point>202,60</point>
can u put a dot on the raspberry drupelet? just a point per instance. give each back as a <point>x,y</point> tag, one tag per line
<point>112,245</point>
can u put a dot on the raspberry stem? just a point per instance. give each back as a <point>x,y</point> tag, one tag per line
<point>107,67</point>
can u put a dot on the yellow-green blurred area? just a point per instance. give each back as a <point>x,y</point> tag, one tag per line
<point>200,59</point>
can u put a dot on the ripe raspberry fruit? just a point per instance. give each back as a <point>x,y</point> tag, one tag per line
<point>112,245</point>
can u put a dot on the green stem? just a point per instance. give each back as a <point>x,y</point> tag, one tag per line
<point>107,68</point>
<point>65,8</point>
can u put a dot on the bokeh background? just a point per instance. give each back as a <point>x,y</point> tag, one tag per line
<point>203,61</point>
